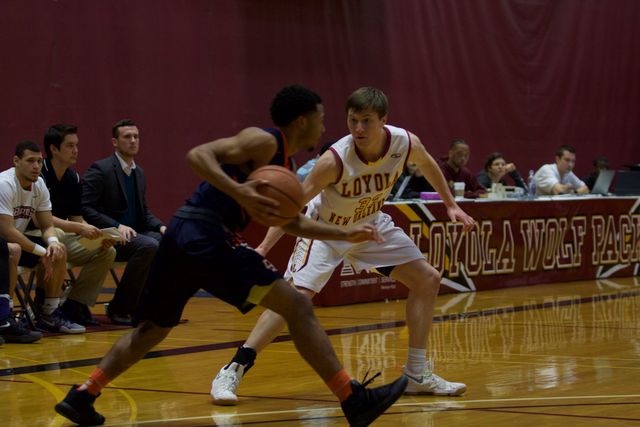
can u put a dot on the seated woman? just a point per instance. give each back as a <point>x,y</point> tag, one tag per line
<point>495,169</point>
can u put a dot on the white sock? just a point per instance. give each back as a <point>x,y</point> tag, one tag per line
<point>50,305</point>
<point>416,361</point>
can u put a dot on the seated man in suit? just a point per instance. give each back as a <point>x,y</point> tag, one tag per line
<point>113,195</point>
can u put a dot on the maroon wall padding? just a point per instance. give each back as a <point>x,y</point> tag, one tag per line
<point>521,77</point>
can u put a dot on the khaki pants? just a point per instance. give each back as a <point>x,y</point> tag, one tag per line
<point>95,266</point>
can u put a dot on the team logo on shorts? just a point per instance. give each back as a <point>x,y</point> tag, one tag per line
<point>300,255</point>
<point>268,265</point>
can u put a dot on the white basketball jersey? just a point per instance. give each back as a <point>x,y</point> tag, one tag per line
<point>362,187</point>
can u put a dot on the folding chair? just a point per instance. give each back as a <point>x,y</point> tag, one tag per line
<point>23,293</point>
<point>24,290</point>
<point>115,277</point>
<point>68,282</point>
<point>114,273</point>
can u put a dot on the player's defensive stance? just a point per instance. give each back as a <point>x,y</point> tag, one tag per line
<point>348,187</point>
<point>201,249</point>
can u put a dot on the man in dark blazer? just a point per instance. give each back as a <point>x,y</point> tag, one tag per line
<point>113,195</point>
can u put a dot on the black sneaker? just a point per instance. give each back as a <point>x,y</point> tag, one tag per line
<point>14,332</point>
<point>118,318</point>
<point>89,319</point>
<point>78,313</point>
<point>77,406</point>
<point>367,404</point>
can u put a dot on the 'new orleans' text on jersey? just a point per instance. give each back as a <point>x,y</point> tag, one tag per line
<point>362,187</point>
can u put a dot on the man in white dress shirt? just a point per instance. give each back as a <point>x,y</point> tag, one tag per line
<point>558,178</point>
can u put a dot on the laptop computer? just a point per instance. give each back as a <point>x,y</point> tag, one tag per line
<point>603,182</point>
<point>628,183</point>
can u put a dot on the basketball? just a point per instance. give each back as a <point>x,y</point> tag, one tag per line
<point>283,186</point>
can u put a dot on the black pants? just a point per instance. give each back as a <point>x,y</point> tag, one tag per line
<point>4,267</point>
<point>138,253</point>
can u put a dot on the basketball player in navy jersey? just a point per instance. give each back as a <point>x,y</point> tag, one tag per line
<point>348,187</point>
<point>201,249</point>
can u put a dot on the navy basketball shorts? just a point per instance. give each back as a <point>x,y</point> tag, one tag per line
<point>196,254</point>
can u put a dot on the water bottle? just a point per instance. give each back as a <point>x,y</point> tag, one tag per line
<point>531,185</point>
<point>304,170</point>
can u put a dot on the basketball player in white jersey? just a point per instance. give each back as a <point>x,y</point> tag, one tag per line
<point>348,187</point>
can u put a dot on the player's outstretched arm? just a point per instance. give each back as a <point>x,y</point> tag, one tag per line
<point>308,228</point>
<point>323,174</point>
<point>430,169</point>
<point>270,239</point>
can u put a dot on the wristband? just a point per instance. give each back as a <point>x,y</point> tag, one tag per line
<point>52,239</point>
<point>39,250</point>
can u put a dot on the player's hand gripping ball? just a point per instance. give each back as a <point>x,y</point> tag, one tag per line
<point>283,186</point>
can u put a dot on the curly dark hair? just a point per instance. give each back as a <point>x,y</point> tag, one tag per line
<point>292,102</point>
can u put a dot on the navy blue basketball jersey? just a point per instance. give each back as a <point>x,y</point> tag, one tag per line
<point>232,215</point>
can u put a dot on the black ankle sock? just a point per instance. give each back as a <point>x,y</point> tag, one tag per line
<point>40,295</point>
<point>246,357</point>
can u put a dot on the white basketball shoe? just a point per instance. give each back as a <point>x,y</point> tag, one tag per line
<point>430,383</point>
<point>225,384</point>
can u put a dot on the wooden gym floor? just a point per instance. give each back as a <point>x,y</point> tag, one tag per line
<point>546,355</point>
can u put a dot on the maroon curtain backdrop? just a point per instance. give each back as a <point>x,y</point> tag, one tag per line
<point>521,76</point>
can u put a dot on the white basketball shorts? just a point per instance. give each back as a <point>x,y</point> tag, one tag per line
<point>313,261</point>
